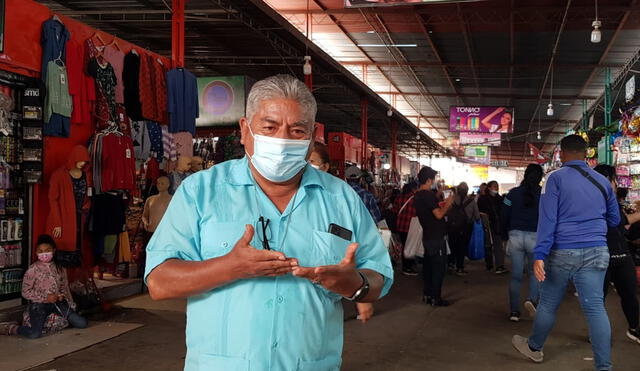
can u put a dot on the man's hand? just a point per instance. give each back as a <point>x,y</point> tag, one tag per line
<point>538,269</point>
<point>249,262</point>
<point>365,311</point>
<point>343,278</point>
<point>52,298</point>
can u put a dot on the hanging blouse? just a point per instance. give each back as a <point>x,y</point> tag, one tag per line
<point>115,58</point>
<point>105,92</point>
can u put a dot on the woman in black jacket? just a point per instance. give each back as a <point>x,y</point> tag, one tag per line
<point>622,270</point>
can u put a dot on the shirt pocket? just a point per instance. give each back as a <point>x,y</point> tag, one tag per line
<point>328,249</point>
<point>218,238</point>
<point>326,364</point>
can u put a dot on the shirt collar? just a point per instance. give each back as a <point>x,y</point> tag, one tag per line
<point>575,162</point>
<point>240,174</point>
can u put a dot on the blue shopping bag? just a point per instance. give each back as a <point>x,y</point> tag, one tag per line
<point>476,243</point>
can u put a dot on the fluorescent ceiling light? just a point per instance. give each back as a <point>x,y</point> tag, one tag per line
<point>384,46</point>
<point>371,31</point>
<point>565,104</point>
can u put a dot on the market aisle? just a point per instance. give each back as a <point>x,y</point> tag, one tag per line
<point>472,334</point>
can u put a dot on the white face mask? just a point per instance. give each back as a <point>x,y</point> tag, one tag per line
<point>314,166</point>
<point>277,159</point>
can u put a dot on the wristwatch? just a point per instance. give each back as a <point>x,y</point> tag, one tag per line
<point>362,292</point>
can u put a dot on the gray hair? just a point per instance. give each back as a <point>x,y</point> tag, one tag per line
<point>282,86</point>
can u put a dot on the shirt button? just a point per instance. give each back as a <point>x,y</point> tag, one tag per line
<point>280,299</point>
<point>225,244</point>
<point>275,344</point>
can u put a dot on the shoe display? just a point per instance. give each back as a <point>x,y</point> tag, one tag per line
<point>531,308</point>
<point>514,317</point>
<point>522,345</point>
<point>634,334</point>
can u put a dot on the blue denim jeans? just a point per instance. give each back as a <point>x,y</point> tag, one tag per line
<point>587,269</point>
<point>521,245</point>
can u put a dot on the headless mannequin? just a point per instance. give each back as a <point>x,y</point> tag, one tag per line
<point>180,173</point>
<point>156,205</point>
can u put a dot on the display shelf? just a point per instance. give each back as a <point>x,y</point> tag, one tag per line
<point>11,267</point>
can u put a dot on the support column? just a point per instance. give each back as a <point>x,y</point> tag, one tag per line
<point>608,107</point>
<point>364,105</point>
<point>177,33</point>
<point>394,145</point>
<point>585,118</point>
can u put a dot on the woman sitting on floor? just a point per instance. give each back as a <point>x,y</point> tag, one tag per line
<point>46,287</point>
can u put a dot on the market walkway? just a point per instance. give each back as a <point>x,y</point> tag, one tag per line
<point>472,334</point>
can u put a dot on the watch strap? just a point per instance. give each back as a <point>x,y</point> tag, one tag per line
<point>362,292</point>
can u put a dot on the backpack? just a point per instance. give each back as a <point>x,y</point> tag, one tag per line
<point>457,220</point>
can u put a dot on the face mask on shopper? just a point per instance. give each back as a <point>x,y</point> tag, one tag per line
<point>493,192</point>
<point>277,159</point>
<point>45,257</point>
<point>315,166</point>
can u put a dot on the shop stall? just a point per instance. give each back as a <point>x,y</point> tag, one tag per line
<point>88,122</point>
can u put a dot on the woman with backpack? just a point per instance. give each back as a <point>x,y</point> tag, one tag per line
<point>519,227</point>
<point>459,221</point>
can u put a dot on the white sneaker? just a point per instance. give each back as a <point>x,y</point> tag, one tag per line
<point>522,345</point>
<point>531,308</point>
<point>634,335</point>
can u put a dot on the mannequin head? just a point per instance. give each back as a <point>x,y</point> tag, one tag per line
<point>163,184</point>
<point>196,164</point>
<point>78,157</point>
<point>184,164</point>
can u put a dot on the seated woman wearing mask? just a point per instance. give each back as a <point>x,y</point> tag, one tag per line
<point>319,159</point>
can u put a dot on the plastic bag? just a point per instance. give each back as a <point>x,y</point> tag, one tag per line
<point>476,242</point>
<point>413,246</point>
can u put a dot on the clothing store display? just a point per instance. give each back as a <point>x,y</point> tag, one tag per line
<point>81,86</point>
<point>184,143</point>
<point>122,120</point>
<point>105,110</point>
<point>182,93</point>
<point>124,248</point>
<point>118,164</point>
<point>107,214</point>
<point>154,209</point>
<point>169,145</point>
<point>131,85</point>
<point>141,140</point>
<point>155,136</point>
<point>62,202</point>
<point>175,179</point>
<point>33,99</point>
<point>53,39</point>
<point>153,90</point>
<point>115,57</point>
<point>205,148</point>
<point>58,103</point>
<point>153,170</point>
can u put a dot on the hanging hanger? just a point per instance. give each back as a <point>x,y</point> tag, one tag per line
<point>59,60</point>
<point>160,61</point>
<point>135,52</point>
<point>96,35</point>
<point>114,42</point>
<point>56,18</point>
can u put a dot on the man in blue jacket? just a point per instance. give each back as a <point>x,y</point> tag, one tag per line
<point>576,206</point>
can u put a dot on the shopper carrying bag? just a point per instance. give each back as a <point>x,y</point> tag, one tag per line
<point>413,246</point>
<point>476,242</point>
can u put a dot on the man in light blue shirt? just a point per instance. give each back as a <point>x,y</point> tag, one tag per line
<point>248,243</point>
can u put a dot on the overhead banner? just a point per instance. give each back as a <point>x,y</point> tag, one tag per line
<point>492,140</point>
<point>478,154</point>
<point>222,100</point>
<point>481,119</point>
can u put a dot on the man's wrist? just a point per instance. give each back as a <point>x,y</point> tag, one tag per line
<point>358,281</point>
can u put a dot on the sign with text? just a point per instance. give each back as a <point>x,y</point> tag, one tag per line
<point>481,119</point>
<point>492,140</point>
<point>478,154</point>
<point>499,163</point>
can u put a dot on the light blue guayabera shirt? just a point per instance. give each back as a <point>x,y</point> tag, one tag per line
<point>283,323</point>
